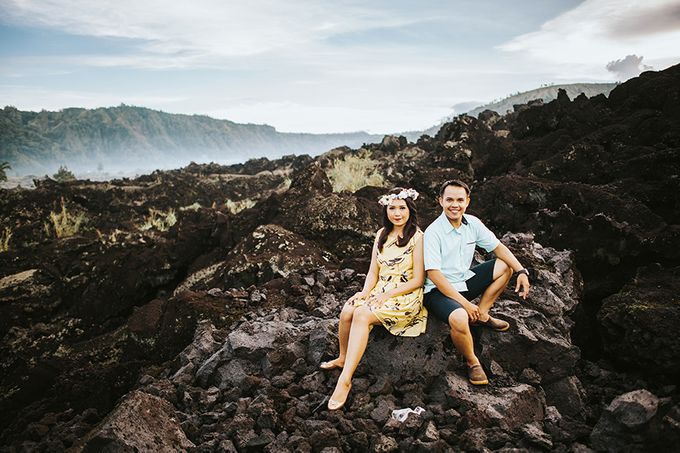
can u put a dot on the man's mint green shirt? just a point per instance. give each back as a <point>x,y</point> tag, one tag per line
<point>451,250</point>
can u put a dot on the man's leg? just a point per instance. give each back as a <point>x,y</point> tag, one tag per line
<point>462,340</point>
<point>461,335</point>
<point>501,276</point>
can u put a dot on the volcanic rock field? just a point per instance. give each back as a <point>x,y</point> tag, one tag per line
<point>189,310</point>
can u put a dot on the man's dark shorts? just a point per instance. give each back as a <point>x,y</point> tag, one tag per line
<point>441,306</point>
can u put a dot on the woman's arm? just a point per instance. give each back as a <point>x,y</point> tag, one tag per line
<point>418,274</point>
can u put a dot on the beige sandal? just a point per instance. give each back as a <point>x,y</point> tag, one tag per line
<point>330,365</point>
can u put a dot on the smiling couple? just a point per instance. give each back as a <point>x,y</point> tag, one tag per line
<point>403,258</point>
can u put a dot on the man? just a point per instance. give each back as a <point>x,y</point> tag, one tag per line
<point>449,247</point>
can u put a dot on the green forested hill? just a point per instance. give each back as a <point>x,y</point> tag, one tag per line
<point>134,137</point>
<point>547,93</point>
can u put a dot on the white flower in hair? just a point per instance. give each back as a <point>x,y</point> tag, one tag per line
<point>406,193</point>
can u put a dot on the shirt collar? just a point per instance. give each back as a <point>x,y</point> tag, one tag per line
<point>446,225</point>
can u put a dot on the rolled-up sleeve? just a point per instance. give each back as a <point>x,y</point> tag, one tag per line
<point>485,237</point>
<point>432,251</point>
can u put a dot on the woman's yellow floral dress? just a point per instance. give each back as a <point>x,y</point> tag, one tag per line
<point>403,315</point>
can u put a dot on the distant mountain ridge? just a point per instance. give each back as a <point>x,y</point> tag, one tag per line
<point>547,93</point>
<point>129,137</point>
<point>114,138</point>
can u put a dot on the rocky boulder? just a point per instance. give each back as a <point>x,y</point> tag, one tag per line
<point>261,386</point>
<point>268,252</point>
<point>640,323</point>
<point>637,421</point>
<point>140,422</point>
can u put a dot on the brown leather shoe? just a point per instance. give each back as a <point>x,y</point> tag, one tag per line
<point>496,324</point>
<point>476,375</point>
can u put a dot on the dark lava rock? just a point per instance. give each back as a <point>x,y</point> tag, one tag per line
<point>225,317</point>
<point>140,422</point>
<point>506,407</point>
<point>632,423</point>
<point>640,323</point>
<point>269,252</point>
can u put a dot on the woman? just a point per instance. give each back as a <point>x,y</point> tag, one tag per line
<point>393,293</point>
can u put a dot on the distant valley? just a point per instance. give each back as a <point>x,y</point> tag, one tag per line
<point>136,139</point>
<point>128,138</point>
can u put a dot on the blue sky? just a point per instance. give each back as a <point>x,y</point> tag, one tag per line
<point>320,66</point>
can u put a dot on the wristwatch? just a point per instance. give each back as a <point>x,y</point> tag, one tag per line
<point>523,271</point>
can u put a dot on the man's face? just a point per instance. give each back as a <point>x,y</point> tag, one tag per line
<point>454,201</point>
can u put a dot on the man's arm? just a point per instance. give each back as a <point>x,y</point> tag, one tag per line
<point>504,253</point>
<point>449,291</point>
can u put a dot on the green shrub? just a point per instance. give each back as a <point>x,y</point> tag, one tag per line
<point>110,238</point>
<point>159,220</point>
<point>354,172</point>
<point>64,224</point>
<point>192,207</point>
<point>237,206</point>
<point>285,184</point>
<point>5,236</point>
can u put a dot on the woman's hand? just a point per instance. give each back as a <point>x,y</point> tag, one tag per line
<point>359,295</point>
<point>376,300</point>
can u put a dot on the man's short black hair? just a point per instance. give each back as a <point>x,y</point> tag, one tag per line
<point>454,183</point>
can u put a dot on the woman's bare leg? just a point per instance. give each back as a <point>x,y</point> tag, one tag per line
<point>344,326</point>
<point>356,345</point>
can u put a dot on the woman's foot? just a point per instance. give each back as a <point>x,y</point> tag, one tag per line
<point>339,396</point>
<point>331,364</point>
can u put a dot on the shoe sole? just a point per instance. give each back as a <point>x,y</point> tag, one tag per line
<point>484,382</point>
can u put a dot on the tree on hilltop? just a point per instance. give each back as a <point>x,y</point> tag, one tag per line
<point>3,175</point>
<point>64,174</point>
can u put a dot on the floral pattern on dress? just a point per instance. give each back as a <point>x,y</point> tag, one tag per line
<point>403,315</point>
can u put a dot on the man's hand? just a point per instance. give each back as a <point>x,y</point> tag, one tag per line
<point>472,311</point>
<point>523,284</point>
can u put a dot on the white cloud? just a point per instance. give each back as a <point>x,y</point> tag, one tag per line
<point>599,31</point>
<point>628,67</point>
<point>172,34</point>
<point>317,65</point>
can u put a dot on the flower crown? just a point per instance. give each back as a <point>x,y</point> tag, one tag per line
<point>406,193</point>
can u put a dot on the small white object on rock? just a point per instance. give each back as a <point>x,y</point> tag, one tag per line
<point>401,415</point>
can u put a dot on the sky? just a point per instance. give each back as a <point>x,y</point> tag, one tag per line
<point>321,66</point>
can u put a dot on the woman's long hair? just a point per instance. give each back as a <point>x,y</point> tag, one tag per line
<point>411,224</point>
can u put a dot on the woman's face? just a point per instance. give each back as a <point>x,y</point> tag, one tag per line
<point>398,212</point>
